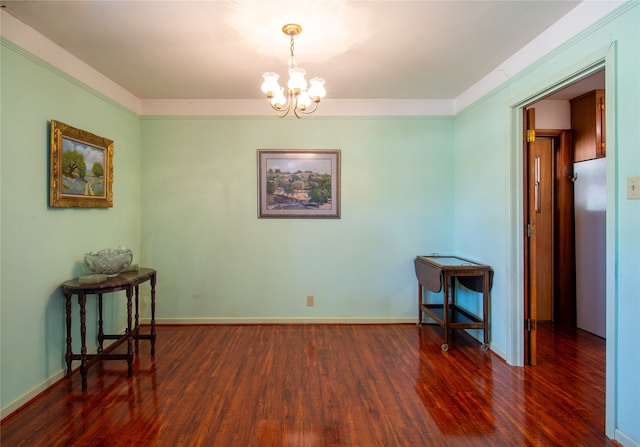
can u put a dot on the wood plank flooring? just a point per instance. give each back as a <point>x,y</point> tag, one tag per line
<point>326,385</point>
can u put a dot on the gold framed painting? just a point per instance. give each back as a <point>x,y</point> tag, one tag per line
<point>299,183</point>
<point>80,168</point>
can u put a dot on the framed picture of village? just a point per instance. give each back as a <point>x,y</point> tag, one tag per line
<point>81,170</point>
<point>299,183</point>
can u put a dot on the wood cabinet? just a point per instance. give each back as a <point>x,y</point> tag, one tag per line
<point>588,126</point>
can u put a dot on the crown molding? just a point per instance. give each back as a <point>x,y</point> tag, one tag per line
<point>328,107</point>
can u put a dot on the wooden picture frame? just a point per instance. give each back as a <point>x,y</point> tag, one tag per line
<point>299,183</point>
<point>81,169</point>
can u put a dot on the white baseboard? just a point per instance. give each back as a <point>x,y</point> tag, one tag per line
<point>33,392</point>
<point>625,440</point>
<point>283,320</point>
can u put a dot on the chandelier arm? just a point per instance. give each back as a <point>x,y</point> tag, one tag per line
<point>285,108</point>
<point>309,112</point>
<point>293,102</point>
<point>282,111</point>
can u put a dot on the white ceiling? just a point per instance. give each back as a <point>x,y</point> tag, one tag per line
<point>363,49</point>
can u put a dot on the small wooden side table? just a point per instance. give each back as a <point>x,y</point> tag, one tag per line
<point>436,272</point>
<point>127,281</point>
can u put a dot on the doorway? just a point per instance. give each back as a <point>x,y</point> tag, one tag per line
<point>548,211</point>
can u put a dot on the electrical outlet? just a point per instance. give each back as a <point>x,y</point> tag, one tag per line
<point>633,187</point>
<point>310,300</point>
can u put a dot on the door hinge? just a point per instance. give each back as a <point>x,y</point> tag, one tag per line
<point>531,230</point>
<point>531,324</point>
<point>531,135</point>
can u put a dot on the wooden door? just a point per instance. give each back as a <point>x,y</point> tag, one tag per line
<point>541,221</point>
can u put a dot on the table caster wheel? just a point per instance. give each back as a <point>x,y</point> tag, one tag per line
<point>444,347</point>
<point>485,347</point>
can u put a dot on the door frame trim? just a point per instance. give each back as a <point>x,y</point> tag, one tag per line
<point>514,256</point>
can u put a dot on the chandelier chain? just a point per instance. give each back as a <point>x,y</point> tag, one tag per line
<point>291,37</point>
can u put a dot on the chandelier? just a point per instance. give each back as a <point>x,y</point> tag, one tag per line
<point>296,97</point>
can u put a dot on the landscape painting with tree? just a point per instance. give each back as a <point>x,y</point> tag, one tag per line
<point>302,183</point>
<point>81,171</point>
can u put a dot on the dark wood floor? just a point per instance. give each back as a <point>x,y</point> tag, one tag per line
<point>326,385</point>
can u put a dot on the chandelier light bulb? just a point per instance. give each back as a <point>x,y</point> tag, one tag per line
<point>297,82</point>
<point>316,89</point>
<point>270,84</point>
<point>304,100</point>
<point>278,100</point>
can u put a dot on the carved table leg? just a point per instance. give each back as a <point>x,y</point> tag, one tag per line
<point>129,333</point>
<point>69,354</point>
<point>82,301</point>
<point>153,314</point>
<point>136,325</point>
<point>100,325</point>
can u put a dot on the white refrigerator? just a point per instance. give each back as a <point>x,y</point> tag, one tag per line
<point>590,219</point>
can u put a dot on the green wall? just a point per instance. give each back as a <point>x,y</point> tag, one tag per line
<point>218,261</point>
<point>41,246</point>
